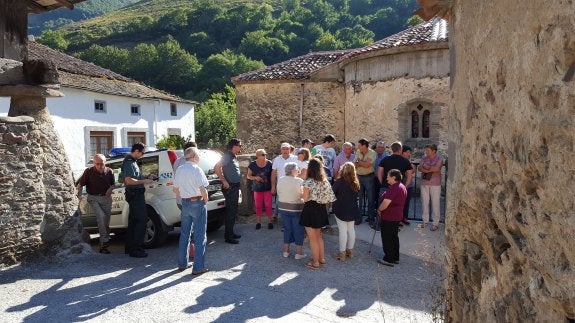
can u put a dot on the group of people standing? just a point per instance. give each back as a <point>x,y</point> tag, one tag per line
<point>355,183</point>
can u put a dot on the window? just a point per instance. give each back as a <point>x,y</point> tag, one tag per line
<point>425,124</point>
<point>135,109</point>
<point>414,124</point>
<point>173,109</point>
<point>100,106</point>
<point>100,142</point>
<point>136,137</point>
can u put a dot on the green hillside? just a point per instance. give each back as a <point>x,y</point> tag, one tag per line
<point>84,10</point>
<point>192,48</point>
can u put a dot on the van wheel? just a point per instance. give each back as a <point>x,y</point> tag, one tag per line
<point>155,233</point>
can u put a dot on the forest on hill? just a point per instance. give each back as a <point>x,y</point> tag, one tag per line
<point>192,48</point>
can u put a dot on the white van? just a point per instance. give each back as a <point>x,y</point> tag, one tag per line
<point>163,212</point>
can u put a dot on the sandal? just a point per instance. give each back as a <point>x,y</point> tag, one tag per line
<point>311,265</point>
<point>434,227</point>
<point>322,262</point>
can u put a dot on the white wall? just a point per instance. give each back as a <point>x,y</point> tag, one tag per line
<point>74,117</point>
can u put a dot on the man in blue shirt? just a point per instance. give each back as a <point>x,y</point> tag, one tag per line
<point>228,170</point>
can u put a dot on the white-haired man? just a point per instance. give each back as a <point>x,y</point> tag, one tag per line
<point>99,181</point>
<point>190,183</point>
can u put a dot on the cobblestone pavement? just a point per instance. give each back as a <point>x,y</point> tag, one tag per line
<point>250,281</point>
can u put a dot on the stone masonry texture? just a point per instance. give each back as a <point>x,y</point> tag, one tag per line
<point>510,215</point>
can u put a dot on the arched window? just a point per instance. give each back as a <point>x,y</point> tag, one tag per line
<point>414,124</point>
<point>425,124</point>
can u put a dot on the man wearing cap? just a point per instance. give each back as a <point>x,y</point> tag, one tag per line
<point>306,143</point>
<point>228,171</point>
<point>326,151</point>
<point>278,169</point>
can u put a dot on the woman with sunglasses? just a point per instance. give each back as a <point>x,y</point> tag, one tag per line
<point>259,172</point>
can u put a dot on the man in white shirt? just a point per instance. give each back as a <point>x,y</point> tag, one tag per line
<point>179,162</point>
<point>278,168</point>
<point>190,183</point>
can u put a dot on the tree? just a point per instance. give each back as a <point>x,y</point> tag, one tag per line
<point>327,41</point>
<point>355,37</point>
<point>176,69</point>
<point>173,142</point>
<point>54,39</point>
<point>219,68</point>
<point>110,57</point>
<point>216,120</point>
<point>259,46</point>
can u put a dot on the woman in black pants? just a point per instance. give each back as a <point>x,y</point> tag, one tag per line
<point>391,213</point>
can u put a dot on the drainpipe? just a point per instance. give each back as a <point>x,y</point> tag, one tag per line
<point>157,104</point>
<point>301,109</point>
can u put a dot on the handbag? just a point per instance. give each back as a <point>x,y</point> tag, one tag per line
<point>426,176</point>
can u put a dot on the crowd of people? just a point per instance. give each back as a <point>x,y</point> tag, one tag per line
<point>309,183</point>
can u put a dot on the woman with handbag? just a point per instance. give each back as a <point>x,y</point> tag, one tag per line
<point>346,189</point>
<point>430,169</point>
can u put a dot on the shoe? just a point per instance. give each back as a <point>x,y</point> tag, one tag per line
<point>400,224</point>
<point>385,263</point>
<point>286,254</point>
<point>311,265</point>
<point>180,269</point>
<point>237,236</point>
<point>270,226</point>
<point>298,257</point>
<point>200,272</point>
<point>349,253</point>
<point>405,221</point>
<point>138,254</point>
<point>434,227</point>
<point>232,241</point>
<point>358,221</point>
<point>396,262</point>
<point>322,262</point>
<point>258,226</point>
<point>340,256</point>
<point>422,225</point>
<point>104,250</point>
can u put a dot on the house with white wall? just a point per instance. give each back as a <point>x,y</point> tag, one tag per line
<point>102,109</point>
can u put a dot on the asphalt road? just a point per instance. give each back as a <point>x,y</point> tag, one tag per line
<point>250,281</point>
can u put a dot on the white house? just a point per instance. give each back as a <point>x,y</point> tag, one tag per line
<point>102,109</point>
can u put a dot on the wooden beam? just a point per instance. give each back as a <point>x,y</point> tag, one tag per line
<point>35,7</point>
<point>66,4</point>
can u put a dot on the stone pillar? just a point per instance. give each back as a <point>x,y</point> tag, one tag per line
<point>510,217</point>
<point>247,206</point>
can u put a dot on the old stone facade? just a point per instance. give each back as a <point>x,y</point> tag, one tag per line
<point>394,89</point>
<point>510,216</point>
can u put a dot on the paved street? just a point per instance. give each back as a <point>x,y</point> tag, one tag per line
<point>250,281</point>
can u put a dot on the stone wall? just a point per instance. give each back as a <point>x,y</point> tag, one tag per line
<point>22,192</point>
<point>269,113</point>
<point>38,203</point>
<point>510,215</point>
<point>379,110</point>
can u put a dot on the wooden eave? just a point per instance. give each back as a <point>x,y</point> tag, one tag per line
<point>40,6</point>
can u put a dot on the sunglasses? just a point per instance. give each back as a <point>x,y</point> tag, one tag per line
<point>262,155</point>
<point>300,153</point>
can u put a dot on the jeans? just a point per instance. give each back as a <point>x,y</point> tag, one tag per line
<point>433,192</point>
<point>137,219</point>
<point>232,195</point>
<point>194,213</point>
<point>102,206</point>
<point>262,199</point>
<point>293,231</point>
<point>366,190</point>
<point>346,234</point>
<point>390,240</point>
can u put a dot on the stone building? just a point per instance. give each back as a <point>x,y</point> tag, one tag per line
<point>395,89</point>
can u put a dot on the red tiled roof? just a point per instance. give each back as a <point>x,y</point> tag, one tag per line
<point>432,31</point>
<point>298,68</point>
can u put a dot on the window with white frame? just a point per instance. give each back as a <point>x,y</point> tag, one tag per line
<point>136,137</point>
<point>100,106</point>
<point>100,142</point>
<point>135,109</point>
